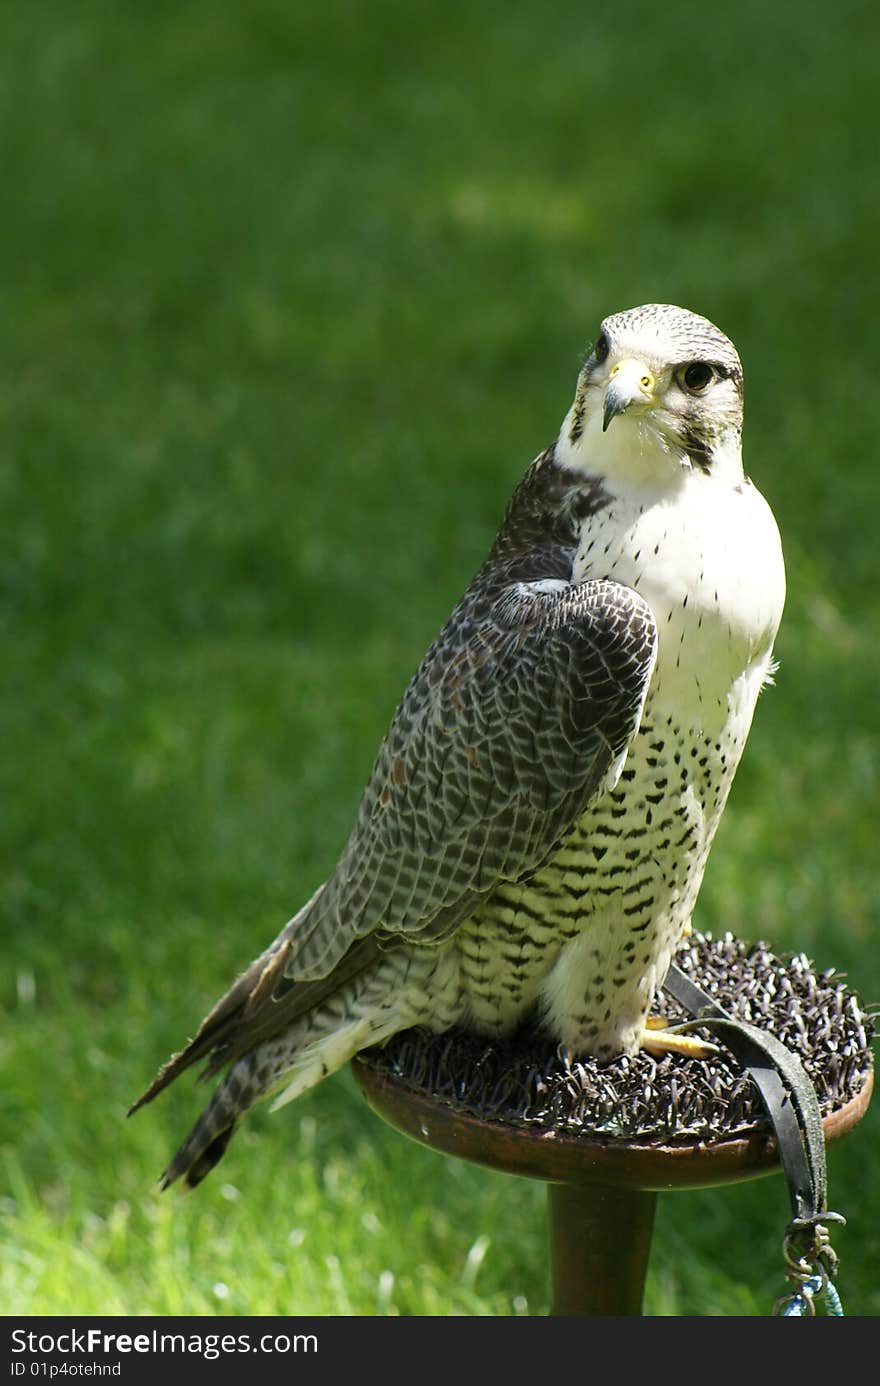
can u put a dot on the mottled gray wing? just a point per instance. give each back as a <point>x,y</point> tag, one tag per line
<point>520,711</point>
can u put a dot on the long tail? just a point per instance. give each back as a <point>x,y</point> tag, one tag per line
<point>297,1060</point>
<point>268,1028</point>
<point>208,1139</point>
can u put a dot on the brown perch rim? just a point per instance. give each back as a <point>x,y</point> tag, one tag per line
<point>558,1157</point>
<point>514,1105</point>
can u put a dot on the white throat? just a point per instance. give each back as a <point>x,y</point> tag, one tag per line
<point>633,455</point>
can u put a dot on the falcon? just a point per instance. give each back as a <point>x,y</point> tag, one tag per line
<point>534,832</point>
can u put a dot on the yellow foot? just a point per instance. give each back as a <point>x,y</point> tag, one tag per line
<point>657,1040</point>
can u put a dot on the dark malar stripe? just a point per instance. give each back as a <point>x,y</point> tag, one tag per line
<point>698,452</point>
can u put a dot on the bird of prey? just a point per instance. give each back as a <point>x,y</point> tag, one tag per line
<point>535,828</point>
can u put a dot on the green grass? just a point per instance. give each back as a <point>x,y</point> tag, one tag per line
<point>293,294</point>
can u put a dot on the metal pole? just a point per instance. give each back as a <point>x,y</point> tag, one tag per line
<point>600,1239</point>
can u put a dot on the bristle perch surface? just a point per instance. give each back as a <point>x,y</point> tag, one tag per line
<point>524,1082</point>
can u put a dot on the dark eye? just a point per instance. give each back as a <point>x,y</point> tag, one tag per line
<point>697,376</point>
<point>600,351</point>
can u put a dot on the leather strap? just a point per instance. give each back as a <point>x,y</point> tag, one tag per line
<point>793,1109</point>
<point>785,1090</point>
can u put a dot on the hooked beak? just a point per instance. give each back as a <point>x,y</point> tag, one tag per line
<point>630,384</point>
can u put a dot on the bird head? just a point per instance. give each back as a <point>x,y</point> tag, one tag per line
<point>661,384</point>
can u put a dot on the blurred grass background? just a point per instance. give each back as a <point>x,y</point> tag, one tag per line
<point>292,295</point>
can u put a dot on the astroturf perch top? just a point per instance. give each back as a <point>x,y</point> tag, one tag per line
<point>535,829</point>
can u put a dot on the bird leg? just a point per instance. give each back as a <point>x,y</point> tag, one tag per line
<point>658,1040</point>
